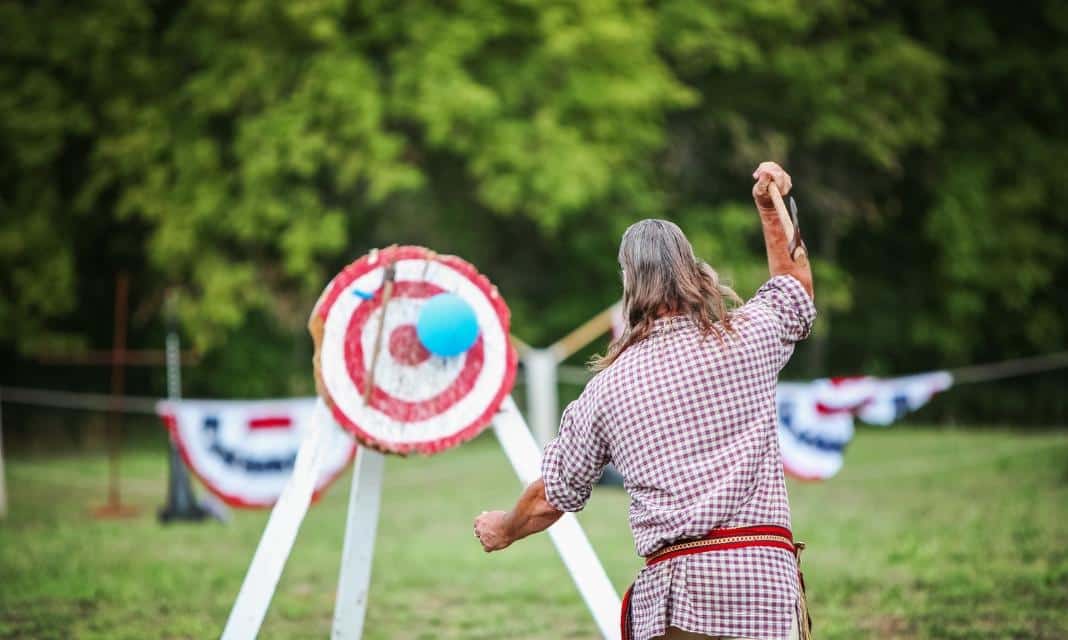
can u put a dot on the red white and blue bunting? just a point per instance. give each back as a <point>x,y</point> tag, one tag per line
<point>816,418</point>
<point>243,451</point>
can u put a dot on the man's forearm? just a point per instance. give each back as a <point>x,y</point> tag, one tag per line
<point>532,512</point>
<point>780,261</point>
<point>778,247</point>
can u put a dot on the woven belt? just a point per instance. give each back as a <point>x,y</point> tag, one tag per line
<point>720,539</point>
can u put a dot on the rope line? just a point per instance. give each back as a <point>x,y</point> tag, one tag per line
<point>75,400</point>
<point>1014,368</point>
<point>989,372</point>
<point>1010,368</point>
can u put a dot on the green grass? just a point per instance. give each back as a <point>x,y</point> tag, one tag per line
<point>925,534</point>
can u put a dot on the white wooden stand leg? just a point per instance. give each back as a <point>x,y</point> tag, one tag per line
<point>567,534</point>
<point>543,404</point>
<point>358,552</point>
<point>279,535</point>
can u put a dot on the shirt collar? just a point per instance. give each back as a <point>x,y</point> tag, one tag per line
<point>668,324</point>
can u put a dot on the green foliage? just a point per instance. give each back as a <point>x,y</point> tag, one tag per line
<point>996,219</point>
<point>249,149</point>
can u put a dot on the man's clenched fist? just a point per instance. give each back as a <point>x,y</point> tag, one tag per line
<point>491,529</point>
<point>765,174</point>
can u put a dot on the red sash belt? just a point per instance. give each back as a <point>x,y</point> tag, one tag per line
<point>717,540</point>
<point>720,539</point>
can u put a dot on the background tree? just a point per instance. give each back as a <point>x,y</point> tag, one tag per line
<point>241,152</point>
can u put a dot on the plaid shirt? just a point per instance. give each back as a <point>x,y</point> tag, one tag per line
<point>690,423</point>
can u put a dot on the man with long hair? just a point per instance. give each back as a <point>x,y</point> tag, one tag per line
<point>684,406</point>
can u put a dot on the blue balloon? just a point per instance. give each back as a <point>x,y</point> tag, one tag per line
<point>447,325</point>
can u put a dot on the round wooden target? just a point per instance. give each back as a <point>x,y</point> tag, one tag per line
<point>379,380</point>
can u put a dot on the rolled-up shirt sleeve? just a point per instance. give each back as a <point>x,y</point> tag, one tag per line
<point>790,305</point>
<point>574,460</point>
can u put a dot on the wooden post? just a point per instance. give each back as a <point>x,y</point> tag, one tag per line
<point>114,507</point>
<point>589,331</point>
<point>279,534</point>
<point>357,555</point>
<point>118,385</point>
<point>543,403</point>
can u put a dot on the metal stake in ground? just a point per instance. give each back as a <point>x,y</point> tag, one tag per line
<point>181,501</point>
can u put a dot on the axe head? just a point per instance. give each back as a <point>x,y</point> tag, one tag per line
<point>796,242</point>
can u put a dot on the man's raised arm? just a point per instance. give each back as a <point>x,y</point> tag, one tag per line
<point>780,262</point>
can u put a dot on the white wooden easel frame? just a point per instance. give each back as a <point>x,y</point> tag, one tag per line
<point>357,555</point>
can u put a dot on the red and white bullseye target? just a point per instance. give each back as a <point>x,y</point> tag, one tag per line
<point>418,401</point>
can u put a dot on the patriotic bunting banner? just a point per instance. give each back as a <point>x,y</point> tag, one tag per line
<point>243,451</point>
<point>816,418</point>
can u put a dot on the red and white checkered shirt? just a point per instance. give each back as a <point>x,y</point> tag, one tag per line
<point>690,423</point>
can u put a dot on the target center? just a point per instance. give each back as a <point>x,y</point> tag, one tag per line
<point>405,347</point>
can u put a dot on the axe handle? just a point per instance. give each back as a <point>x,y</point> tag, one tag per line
<point>387,295</point>
<point>780,208</point>
<point>797,248</point>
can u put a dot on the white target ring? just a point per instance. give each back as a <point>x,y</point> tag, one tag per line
<point>419,402</point>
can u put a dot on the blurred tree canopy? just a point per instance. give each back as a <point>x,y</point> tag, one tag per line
<point>241,152</point>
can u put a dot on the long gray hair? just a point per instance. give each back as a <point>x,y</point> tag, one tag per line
<point>663,277</point>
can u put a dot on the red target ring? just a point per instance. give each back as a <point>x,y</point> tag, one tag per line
<point>396,408</point>
<point>405,347</point>
<point>418,402</point>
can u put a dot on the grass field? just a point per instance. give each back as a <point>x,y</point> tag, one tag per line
<point>926,534</point>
